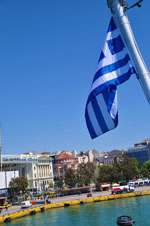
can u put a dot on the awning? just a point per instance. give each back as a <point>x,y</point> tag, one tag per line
<point>105,185</point>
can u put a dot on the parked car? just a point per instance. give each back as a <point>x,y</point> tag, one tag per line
<point>89,195</point>
<point>26,204</point>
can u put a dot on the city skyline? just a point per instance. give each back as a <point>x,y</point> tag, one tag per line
<point>49,53</point>
<point>79,152</point>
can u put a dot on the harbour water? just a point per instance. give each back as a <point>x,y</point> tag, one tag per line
<point>92,214</point>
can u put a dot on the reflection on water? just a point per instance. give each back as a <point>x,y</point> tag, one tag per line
<point>92,214</point>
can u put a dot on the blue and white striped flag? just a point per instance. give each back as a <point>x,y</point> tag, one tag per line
<point>114,68</point>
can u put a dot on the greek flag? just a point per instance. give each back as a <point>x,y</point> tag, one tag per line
<point>114,68</point>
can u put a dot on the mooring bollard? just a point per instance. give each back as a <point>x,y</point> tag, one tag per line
<point>32,212</point>
<point>8,219</point>
<point>66,204</point>
<point>125,221</point>
<point>42,209</point>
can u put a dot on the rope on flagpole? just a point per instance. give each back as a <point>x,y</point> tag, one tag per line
<point>138,4</point>
<point>125,4</point>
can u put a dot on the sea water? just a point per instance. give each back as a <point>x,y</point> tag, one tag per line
<point>92,214</point>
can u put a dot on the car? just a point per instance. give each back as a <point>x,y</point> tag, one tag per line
<point>26,204</point>
<point>89,195</point>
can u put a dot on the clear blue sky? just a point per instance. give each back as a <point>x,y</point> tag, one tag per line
<point>48,56</point>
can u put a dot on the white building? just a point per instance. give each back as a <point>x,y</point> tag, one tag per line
<point>37,168</point>
<point>90,156</point>
<point>5,178</point>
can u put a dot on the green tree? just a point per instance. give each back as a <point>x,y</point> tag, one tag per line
<point>18,185</point>
<point>70,177</point>
<point>126,167</point>
<point>108,174</point>
<point>146,169</point>
<point>59,183</point>
<point>51,185</point>
<point>95,175</point>
<point>115,174</point>
<point>104,174</point>
<point>85,173</point>
<point>139,168</point>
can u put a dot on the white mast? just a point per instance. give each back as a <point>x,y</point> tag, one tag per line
<point>118,10</point>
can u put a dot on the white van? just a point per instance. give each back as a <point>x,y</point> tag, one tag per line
<point>26,204</point>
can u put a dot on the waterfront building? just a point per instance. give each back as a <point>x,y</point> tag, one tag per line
<point>81,157</point>
<point>107,158</point>
<point>67,160</point>
<point>37,168</point>
<point>96,154</point>
<point>84,157</point>
<point>90,156</point>
<point>141,151</point>
<point>63,162</point>
<point>5,178</point>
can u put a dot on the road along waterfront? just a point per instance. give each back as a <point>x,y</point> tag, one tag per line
<point>13,214</point>
<point>91,214</point>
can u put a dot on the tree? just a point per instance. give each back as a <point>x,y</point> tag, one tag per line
<point>115,175</point>
<point>59,183</point>
<point>18,185</point>
<point>85,173</point>
<point>95,175</point>
<point>146,169</point>
<point>126,167</point>
<point>138,166</point>
<point>104,174</point>
<point>108,174</point>
<point>70,177</point>
<point>51,185</point>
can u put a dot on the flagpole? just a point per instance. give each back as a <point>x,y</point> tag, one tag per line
<point>118,10</point>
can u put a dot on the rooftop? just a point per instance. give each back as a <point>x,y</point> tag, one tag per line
<point>64,156</point>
